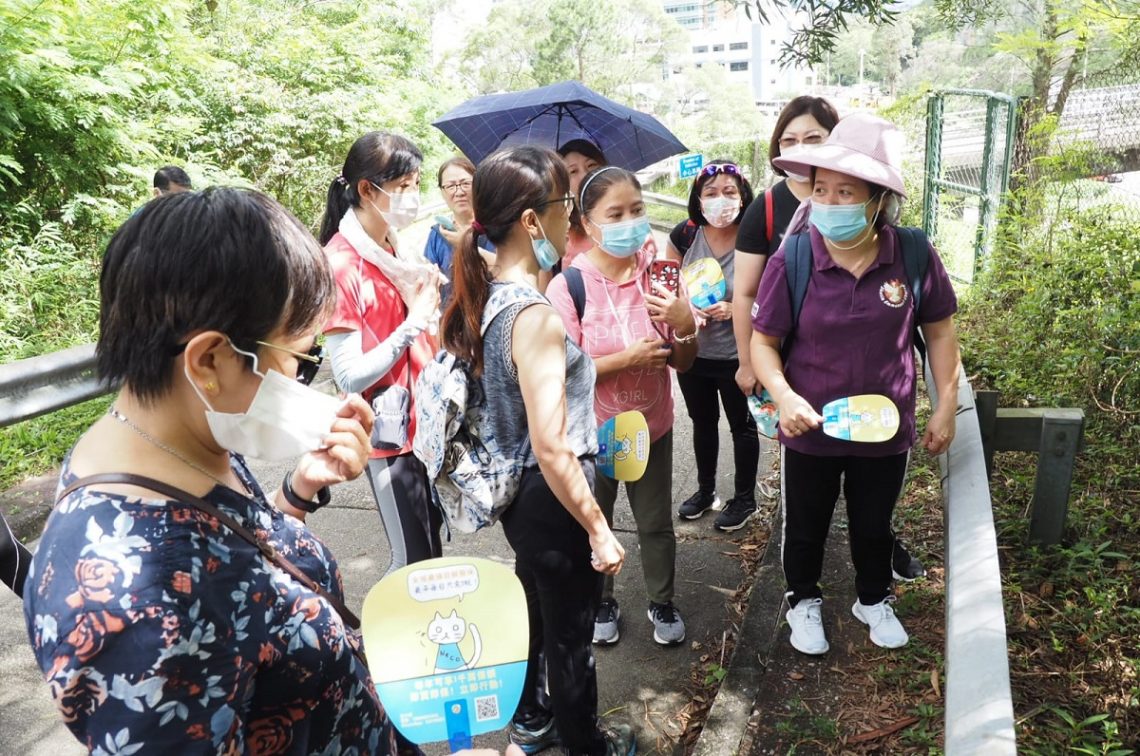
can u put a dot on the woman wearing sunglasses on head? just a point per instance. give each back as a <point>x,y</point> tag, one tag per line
<point>720,197</point>
<point>378,336</point>
<point>172,604</point>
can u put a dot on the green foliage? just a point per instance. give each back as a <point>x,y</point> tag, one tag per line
<point>610,46</point>
<point>1054,320</point>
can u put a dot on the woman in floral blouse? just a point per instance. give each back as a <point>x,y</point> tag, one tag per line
<point>157,627</point>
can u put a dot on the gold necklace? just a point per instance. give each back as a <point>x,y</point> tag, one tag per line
<point>170,450</point>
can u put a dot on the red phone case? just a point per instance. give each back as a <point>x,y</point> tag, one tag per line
<point>667,273</point>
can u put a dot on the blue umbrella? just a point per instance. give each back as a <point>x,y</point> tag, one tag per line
<point>552,116</point>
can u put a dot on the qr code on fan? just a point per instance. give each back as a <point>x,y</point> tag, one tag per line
<point>486,708</point>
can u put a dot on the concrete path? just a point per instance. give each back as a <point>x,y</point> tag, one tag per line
<point>639,682</point>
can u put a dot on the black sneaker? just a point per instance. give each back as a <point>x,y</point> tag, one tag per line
<point>699,503</point>
<point>736,514</point>
<point>620,740</point>
<point>534,740</point>
<point>904,566</point>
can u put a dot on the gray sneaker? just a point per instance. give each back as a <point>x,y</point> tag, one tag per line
<point>606,621</point>
<point>620,740</point>
<point>668,627</point>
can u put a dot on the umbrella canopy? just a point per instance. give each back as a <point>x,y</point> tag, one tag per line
<point>553,115</point>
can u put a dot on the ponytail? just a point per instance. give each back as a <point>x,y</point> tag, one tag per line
<point>471,288</point>
<point>336,205</point>
<point>505,184</point>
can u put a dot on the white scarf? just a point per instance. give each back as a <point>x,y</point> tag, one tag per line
<point>405,269</point>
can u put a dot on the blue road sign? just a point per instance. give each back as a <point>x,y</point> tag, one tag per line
<point>690,165</point>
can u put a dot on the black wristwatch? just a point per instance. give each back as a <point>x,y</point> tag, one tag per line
<point>323,496</point>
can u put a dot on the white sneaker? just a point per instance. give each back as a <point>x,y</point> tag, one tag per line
<point>807,627</point>
<point>886,630</point>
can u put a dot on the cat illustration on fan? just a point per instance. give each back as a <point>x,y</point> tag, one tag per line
<point>446,633</point>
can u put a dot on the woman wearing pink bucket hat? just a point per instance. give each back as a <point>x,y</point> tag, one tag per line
<point>854,334</point>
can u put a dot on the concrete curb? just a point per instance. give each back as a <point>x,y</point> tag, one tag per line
<point>727,722</point>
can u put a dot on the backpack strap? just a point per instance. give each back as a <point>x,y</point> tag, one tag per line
<point>769,216</point>
<point>688,236</point>
<point>798,263</point>
<point>916,260</point>
<point>576,286</point>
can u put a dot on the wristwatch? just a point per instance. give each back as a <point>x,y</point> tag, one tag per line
<point>324,496</point>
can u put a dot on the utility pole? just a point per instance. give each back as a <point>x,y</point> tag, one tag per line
<point>861,54</point>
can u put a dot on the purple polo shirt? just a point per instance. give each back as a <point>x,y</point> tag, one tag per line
<point>855,336</point>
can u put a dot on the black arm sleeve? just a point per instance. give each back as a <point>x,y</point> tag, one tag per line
<point>752,237</point>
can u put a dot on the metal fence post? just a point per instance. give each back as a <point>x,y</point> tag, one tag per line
<point>1061,431</point>
<point>933,165</point>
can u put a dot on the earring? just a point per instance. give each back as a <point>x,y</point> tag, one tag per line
<point>211,387</point>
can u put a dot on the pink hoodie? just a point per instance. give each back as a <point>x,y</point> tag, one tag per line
<point>615,316</point>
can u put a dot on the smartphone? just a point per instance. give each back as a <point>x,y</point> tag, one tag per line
<point>445,221</point>
<point>667,273</point>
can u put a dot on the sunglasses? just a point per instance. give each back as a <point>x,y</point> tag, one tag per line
<point>309,364</point>
<point>715,168</point>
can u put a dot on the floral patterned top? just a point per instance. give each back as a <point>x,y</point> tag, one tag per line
<point>159,629</point>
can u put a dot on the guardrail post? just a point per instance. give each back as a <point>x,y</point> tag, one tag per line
<point>1061,432</point>
<point>987,404</point>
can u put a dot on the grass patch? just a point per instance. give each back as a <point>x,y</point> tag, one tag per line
<point>35,446</point>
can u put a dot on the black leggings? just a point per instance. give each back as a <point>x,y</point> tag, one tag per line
<point>552,561</point>
<point>810,486</point>
<point>14,559</point>
<point>411,520</point>
<point>700,386</point>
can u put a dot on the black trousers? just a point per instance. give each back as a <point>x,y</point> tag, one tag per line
<point>552,560</point>
<point>701,385</point>
<point>14,559</point>
<point>810,486</point>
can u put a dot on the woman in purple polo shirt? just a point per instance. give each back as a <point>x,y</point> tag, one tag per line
<point>854,335</point>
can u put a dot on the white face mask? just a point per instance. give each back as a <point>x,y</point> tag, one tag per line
<point>284,420</point>
<point>791,152</point>
<point>403,207</point>
<point>720,212</point>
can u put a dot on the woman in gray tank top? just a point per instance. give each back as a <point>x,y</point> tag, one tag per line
<point>539,389</point>
<point>717,202</point>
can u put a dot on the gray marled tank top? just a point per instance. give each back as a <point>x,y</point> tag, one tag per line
<point>504,397</point>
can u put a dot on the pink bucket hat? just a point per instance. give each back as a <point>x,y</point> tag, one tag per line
<point>861,145</point>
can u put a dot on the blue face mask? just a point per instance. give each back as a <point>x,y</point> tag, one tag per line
<point>544,251</point>
<point>624,238</point>
<point>839,223</point>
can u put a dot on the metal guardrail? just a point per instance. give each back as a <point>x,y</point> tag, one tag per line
<point>979,704</point>
<point>39,385</point>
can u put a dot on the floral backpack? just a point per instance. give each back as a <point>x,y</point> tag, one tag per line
<point>473,479</point>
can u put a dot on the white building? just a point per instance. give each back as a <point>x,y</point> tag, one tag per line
<point>749,51</point>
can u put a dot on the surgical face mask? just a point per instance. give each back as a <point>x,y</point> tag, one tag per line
<point>544,250</point>
<point>284,420</point>
<point>403,207</point>
<point>839,223</point>
<point>791,152</point>
<point>720,211</point>
<point>624,238</point>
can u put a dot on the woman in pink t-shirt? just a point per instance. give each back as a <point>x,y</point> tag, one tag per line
<point>635,333</point>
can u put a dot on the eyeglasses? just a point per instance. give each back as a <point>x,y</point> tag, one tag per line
<point>789,142</point>
<point>567,202</point>
<point>715,168</point>
<point>455,186</point>
<point>310,361</point>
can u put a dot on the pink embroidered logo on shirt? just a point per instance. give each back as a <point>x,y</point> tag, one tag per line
<point>893,293</point>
